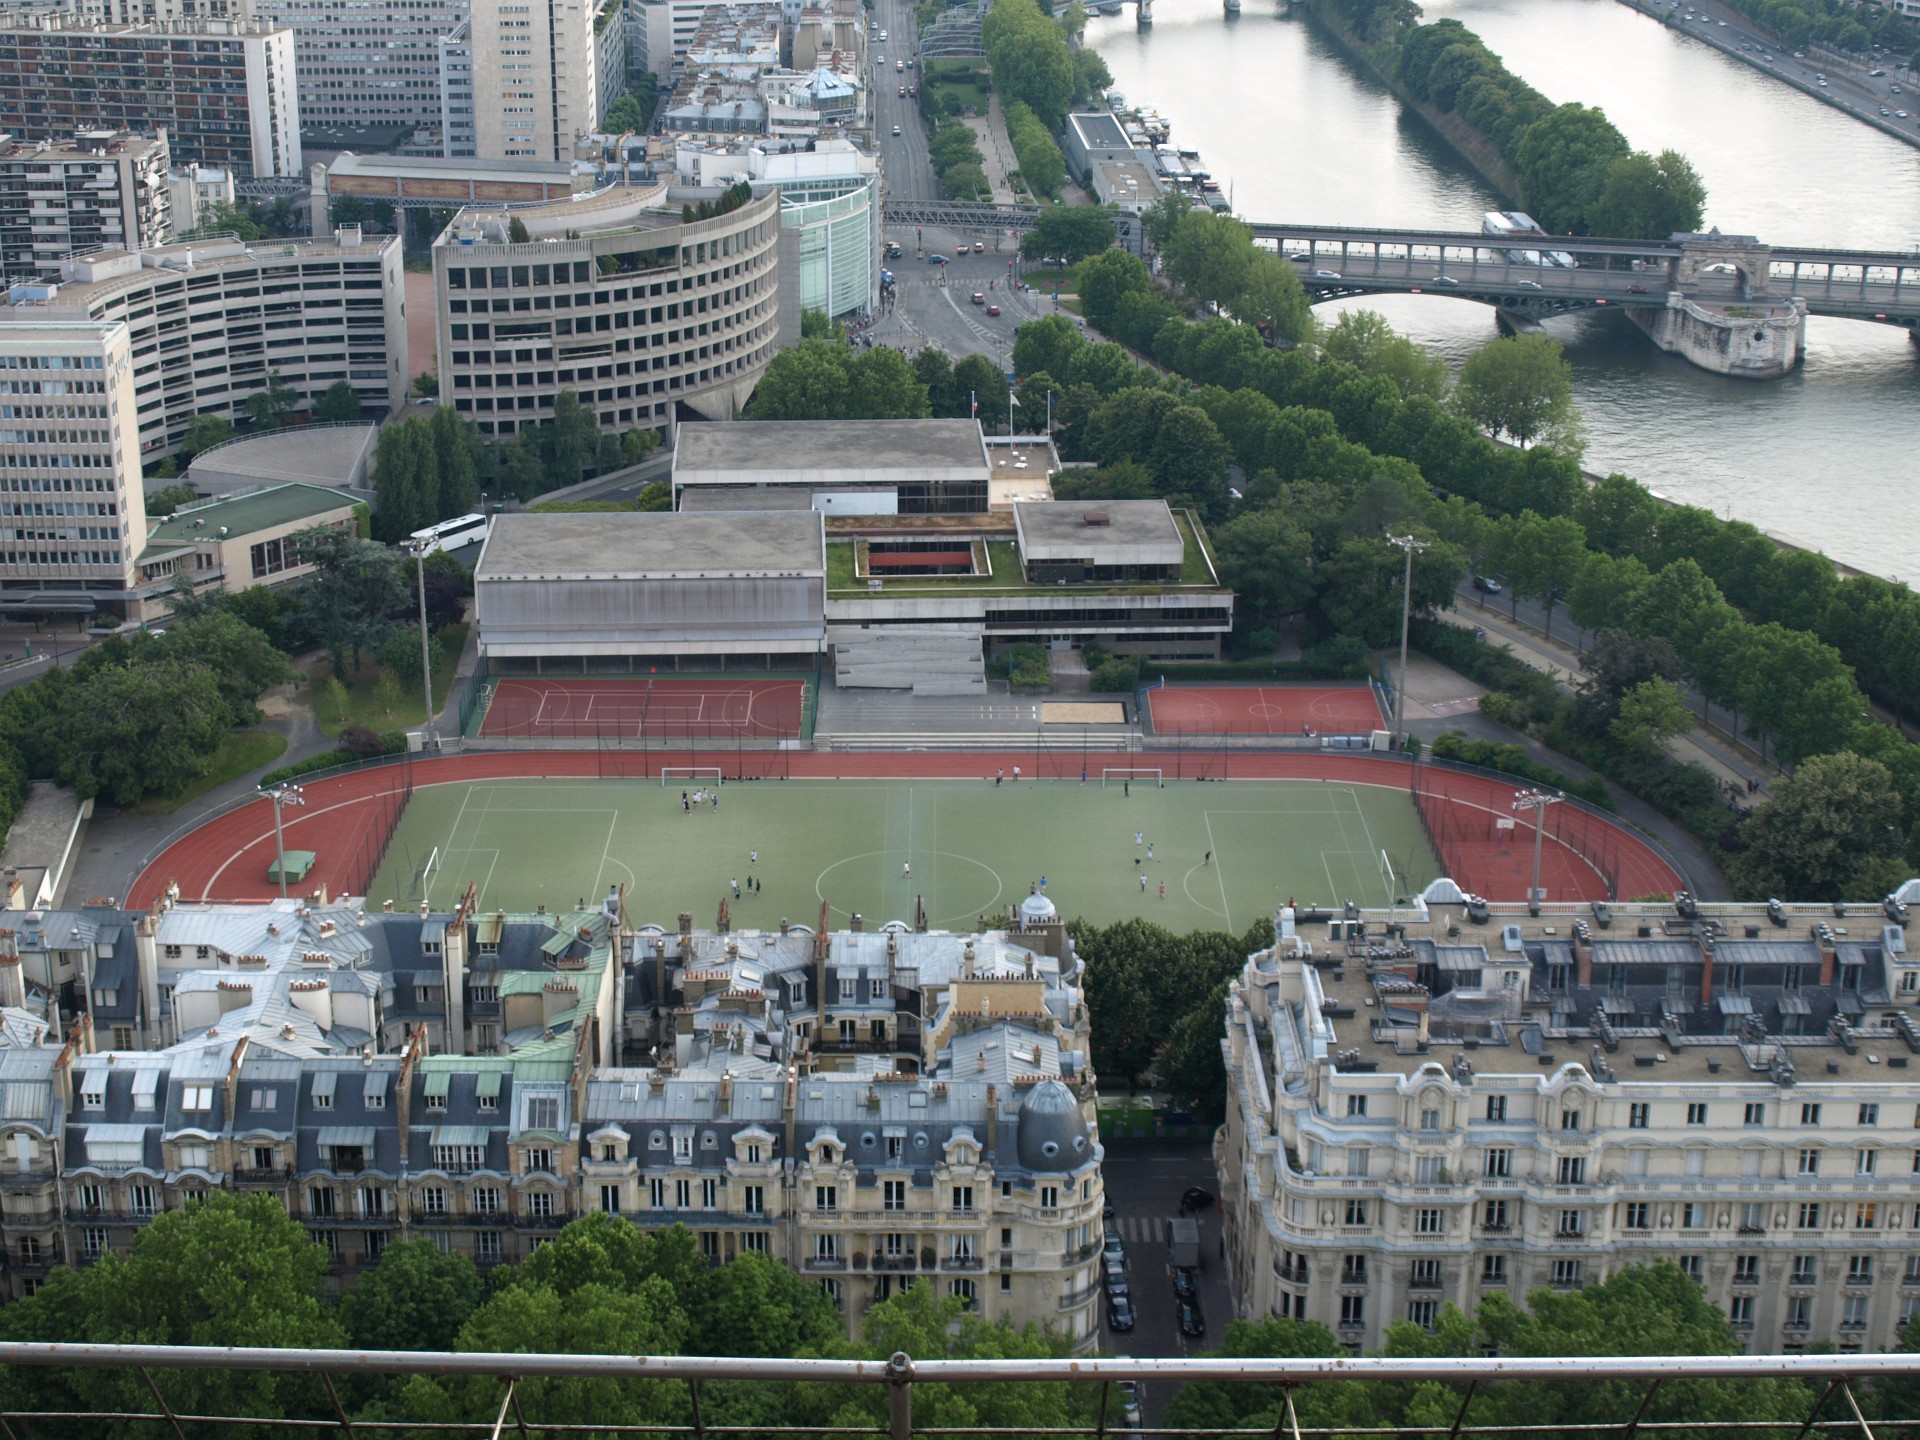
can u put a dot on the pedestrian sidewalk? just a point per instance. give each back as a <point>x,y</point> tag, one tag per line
<point>995,150</point>
<point>1725,759</point>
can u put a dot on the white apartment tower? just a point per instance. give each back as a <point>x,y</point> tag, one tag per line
<point>535,82</point>
<point>72,515</point>
<point>372,63</point>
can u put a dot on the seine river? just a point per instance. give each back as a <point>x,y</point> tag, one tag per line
<point>1829,457</point>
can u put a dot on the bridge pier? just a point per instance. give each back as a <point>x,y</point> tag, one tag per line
<point>1512,322</point>
<point>1754,341</point>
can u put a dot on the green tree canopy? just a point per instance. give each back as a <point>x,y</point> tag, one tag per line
<point>1830,831</point>
<point>830,380</point>
<point>1072,232</point>
<point>341,402</point>
<point>1521,388</point>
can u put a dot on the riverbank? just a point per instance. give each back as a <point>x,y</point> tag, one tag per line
<point>1471,146</point>
<point>1805,83</point>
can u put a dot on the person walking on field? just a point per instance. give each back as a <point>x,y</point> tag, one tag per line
<point>736,889</point>
<point>753,857</point>
<point>1143,881</point>
<point>1163,889</point>
<point>906,869</point>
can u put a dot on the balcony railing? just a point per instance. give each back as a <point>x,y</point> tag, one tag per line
<point>262,1175</point>
<point>1830,1381</point>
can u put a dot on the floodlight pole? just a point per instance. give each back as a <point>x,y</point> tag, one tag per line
<point>1536,801</point>
<point>1408,544</point>
<point>419,548</point>
<point>283,795</point>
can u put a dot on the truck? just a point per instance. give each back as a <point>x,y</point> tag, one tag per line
<point>1183,1243</point>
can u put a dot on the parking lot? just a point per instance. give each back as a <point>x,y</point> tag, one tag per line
<point>1144,1180</point>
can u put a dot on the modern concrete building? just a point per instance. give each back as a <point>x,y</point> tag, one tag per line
<point>535,81</point>
<point>554,593</point>
<point>224,90</point>
<point>230,544</point>
<point>609,56</point>
<point>1104,542</point>
<point>646,316</point>
<point>374,62</point>
<point>209,320</point>
<point>414,182</point>
<point>72,512</point>
<point>1453,1100</point>
<point>870,1107</point>
<point>100,189</point>
<point>829,216</point>
<point>850,467</point>
<point>336,457</point>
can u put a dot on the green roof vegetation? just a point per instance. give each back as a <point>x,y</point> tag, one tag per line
<point>246,514</point>
<point>1196,570</point>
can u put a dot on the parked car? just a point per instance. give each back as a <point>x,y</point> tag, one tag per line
<point>1129,1396</point>
<point>1119,1314</point>
<point>1113,1246</point>
<point>1185,1287</point>
<point>1106,1210</point>
<point>1115,1278</point>
<point>1487,584</point>
<point>1197,1199</point>
<point>1192,1322</point>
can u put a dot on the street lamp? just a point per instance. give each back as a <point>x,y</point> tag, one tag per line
<point>1409,545</point>
<point>1536,801</point>
<point>283,795</point>
<point>419,549</point>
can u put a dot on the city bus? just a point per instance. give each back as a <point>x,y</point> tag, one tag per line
<point>453,534</point>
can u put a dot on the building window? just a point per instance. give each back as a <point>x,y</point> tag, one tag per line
<point>93,1243</point>
<point>1809,1215</point>
<point>1356,1106</point>
<point>1746,1269</point>
<point>1740,1312</point>
<point>540,1205</point>
<point>1357,1159</point>
<point>484,1200</point>
<point>433,1200</point>
<point>656,1193</point>
<point>1573,1170</point>
<point>1423,1312</point>
<point>1049,1197</point>
<point>1864,1161</point>
<point>709,1194</point>
<point>1570,1120</point>
<point>1567,1273</point>
<point>486,1247</point>
<point>1853,1315</point>
<point>1427,1169</point>
<point>1426,1274</point>
<point>1869,1114</point>
<point>753,1242</point>
<point>1493,1270</point>
<point>1691,1267</point>
<point>1806,1271</point>
<point>753,1200</point>
<point>1696,1114</point>
<point>1809,1114</point>
<point>1799,1312</point>
<point>683,1149</point>
<point>610,1199</point>
<point>965,1292</point>
<point>1637,1115</point>
<point>1573,1224</point>
<point>1866,1215</point>
<point>1499,1164</point>
<point>1429,1222</point>
<point>963,1198</point>
<point>826,1248</point>
<point>1353,1310</point>
<point>826,1197</point>
<point>895,1192</point>
<point>1429,1122</point>
<point>1756,1114</point>
<point>1353,1270</point>
<point>1809,1162</point>
<point>1692,1216</point>
<point>1637,1216</point>
<point>1356,1212</point>
<point>1860,1269</point>
<point>1497,1109</point>
<point>1496,1215</point>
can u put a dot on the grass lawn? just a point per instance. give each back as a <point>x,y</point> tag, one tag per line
<point>241,753</point>
<point>968,847</point>
<point>363,704</point>
<point>1045,279</point>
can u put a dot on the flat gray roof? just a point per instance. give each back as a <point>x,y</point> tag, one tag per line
<point>314,455</point>
<point>1100,131</point>
<point>1064,522</point>
<point>774,452</point>
<point>659,544</point>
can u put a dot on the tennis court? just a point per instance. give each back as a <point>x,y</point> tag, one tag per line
<point>643,706</point>
<point>1263,709</point>
<point>1186,856</point>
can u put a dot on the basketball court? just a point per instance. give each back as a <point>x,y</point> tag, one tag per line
<point>642,707</point>
<point>1263,709</point>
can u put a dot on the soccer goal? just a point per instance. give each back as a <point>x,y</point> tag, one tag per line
<point>671,775</point>
<point>1120,774</point>
<point>423,877</point>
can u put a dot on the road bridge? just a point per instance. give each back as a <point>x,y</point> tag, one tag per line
<point>1729,303</point>
<point>967,218</point>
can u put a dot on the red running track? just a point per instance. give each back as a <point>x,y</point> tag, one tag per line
<point>1263,709</point>
<point>549,707</point>
<point>227,858</point>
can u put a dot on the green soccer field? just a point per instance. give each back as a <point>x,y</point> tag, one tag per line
<point>872,846</point>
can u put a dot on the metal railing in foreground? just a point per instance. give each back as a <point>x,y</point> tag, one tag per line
<point>1830,1380</point>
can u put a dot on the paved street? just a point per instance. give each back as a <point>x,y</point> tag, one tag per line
<point>1144,1180</point>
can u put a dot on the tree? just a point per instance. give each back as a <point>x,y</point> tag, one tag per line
<point>399,481</point>
<point>655,497</point>
<point>355,588</point>
<point>1521,388</point>
<point>517,231</point>
<point>1072,232</point>
<point>222,218</point>
<point>574,431</point>
<point>1545,556</point>
<point>341,403</point>
<point>1271,299</point>
<point>333,698</point>
<point>1828,832</point>
<point>204,432</point>
<point>754,1305</point>
<point>1162,218</point>
<point>386,691</point>
<point>426,384</point>
<point>829,380</point>
<point>933,368</point>
<point>415,1299</point>
<point>241,659</point>
<point>817,325</point>
<point>1266,558</point>
<point>169,498</point>
<point>1649,715</point>
<point>269,408</point>
<point>222,1270</point>
<point>1363,339</point>
<point>979,381</point>
<point>1648,197</point>
<point>1563,160</point>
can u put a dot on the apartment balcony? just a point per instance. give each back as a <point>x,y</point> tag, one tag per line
<point>896,1262</point>
<point>1074,1299</point>
<point>540,1222</point>
<point>826,1263</point>
<point>256,1175</point>
<point>962,1262</point>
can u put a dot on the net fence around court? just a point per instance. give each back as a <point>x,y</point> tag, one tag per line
<point>1487,848</point>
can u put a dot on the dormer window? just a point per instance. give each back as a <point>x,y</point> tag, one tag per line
<point>682,1148</point>
<point>93,1092</point>
<point>196,1097</point>
<point>543,1112</point>
<point>846,989</point>
<point>264,1099</point>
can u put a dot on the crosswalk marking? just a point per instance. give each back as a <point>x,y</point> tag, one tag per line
<point>1137,1229</point>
